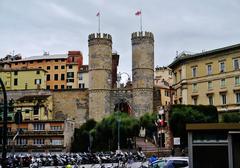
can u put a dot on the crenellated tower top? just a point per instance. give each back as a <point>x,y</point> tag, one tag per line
<point>99,38</point>
<point>138,37</point>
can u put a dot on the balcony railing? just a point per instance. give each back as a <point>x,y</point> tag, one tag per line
<point>38,133</point>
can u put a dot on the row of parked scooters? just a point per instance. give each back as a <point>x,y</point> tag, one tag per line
<point>62,159</point>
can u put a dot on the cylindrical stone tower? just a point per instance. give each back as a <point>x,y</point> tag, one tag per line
<point>100,74</point>
<point>142,72</point>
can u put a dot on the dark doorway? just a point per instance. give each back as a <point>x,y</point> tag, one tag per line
<point>210,156</point>
<point>236,150</point>
<point>123,107</point>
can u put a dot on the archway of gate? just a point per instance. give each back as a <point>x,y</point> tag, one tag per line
<point>122,102</point>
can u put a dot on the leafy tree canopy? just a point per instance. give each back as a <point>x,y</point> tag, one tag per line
<point>180,115</point>
<point>231,118</point>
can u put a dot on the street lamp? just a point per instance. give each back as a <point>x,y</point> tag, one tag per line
<point>4,147</point>
<point>118,112</point>
<point>119,77</point>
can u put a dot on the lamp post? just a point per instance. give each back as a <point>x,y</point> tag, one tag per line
<point>4,147</point>
<point>119,77</point>
<point>118,112</point>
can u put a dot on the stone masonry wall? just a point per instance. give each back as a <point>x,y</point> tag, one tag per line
<point>72,105</point>
<point>142,72</point>
<point>100,74</point>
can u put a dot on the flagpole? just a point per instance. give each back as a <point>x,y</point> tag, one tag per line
<point>99,23</point>
<point>141,21</point>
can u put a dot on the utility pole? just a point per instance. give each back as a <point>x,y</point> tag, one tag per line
<point>4,147</point>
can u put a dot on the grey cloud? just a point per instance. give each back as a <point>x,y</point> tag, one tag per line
<point>30,26</point>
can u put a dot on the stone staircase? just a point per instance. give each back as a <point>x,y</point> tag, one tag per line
<point>150,148</point>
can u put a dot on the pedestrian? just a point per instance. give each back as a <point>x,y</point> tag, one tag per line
<point>172,152</point>
<point>68,166</point>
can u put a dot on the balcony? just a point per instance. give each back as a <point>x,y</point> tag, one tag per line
<point>38,133</point>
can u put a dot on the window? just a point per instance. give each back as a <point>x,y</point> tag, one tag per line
<point>167,93</point>
<point>38,141</point>
<point>39,61</point>
<point>237,80</point>
<point>27,111</point>
<point>56,142</point>
<point>48,77</point>
<point>194,100</point>
<point>55,87</point>
<point>180,74</point>
<point>62,76</point>
<point>80,76</point>
<point>210,99</point>
<point>36,109</point>
<point>56,128</point>
<point>223,83</point>
<point>70,80</point>
<point>224,98</point>
<point>16,63</point>
<point>48,87</point>
<point>238,97</point>
<point>48,67</point>
<point>62,67</point>
<point>62,86</point>
<point>55,67</point>
<point>70,66</point>
<point>210,86</point>
<point>56,60</point>
<point>194,71</point>
<point>81,85</point>
<point>15,82</point>
<point>175,77</point>
<point>38,126</point>
<point>15,72</point>
<point>235,64</point>
<point>69,87</point>
<point>37,81</point>
<point>37,72</point>
<point>21,141</point>
<point>222,67</point>
<point>55,76</point>
<point>70,74</point>
<point>194,87</point>
<point>209,69</point>
<point>62,60</point>
<point>31,62</point>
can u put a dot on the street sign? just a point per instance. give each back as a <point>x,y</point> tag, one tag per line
<point>176,141</point>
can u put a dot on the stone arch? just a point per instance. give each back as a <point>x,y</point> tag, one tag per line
<point>123,105</point>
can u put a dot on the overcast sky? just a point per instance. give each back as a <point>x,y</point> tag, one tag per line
<point>30,27</point>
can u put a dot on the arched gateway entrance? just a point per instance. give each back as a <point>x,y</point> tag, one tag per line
<point>123,106</point>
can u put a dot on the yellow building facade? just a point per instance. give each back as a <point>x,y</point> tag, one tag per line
<point>22,79</point>
<point>35,107</point>
<point>209,78</point>
<point>163,81</point>
<point>83,80</point>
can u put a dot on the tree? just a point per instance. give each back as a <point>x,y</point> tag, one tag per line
<point>81,136</point>
<point>147,121</point>
<point>180,115</point>
<point>106,132</point>
<point>231,118</point>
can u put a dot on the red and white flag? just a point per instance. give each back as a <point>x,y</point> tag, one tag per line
<point>98,14</point>
<point>138,13</point>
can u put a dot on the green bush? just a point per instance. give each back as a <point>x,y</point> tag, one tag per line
<point>231,118</point>
<point>180,115</point>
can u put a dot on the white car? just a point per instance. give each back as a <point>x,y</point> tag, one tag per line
<point>170,162</point>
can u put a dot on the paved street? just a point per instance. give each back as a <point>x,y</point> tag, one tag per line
<point>133,165</point>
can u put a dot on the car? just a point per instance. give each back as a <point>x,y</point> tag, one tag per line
<point>157,164</point>
<point>170,162</point>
